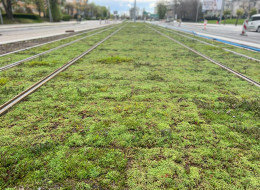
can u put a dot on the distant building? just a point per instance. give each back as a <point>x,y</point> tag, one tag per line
<point>132,13</point>
<point>246,5</point>
<point>76,3</point>
<point>171,10</point>
<point>187,8</point>
<point>21,6</point>
<point>233,5</point>
<point>155,10</point>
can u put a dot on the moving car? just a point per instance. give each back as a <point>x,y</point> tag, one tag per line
<point>254,23</point>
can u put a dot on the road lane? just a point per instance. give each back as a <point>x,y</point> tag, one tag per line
<point>227,32</point>
<point>9,34</point>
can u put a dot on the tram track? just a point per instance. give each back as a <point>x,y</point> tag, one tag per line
<point>52,41</point>
<point>206,43</point>
<point>209,59</point>
<point>50,50</point>
<point>6,106</point>
<point>213,39</point>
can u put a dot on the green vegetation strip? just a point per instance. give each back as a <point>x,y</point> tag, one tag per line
<point>249,68</point>
<point>11,58</point>
<point>139,112</point>
<point>221,45</point>
<point>48,51</point>
<point>53,41</point>
<point>228,21</point>
<point>5,107</point>
<point>17,79</point>
<point>210,44</point>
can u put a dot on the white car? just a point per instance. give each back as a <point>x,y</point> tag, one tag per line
<point>254,23</point>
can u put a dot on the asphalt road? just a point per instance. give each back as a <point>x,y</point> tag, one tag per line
<point>227,32</point>
<point>13,33</point>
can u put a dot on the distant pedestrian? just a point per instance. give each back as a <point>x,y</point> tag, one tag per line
<point>78,18</point>
<point>180,23</point>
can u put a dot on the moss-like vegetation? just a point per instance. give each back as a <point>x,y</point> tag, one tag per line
<point>156,117</point>
<point>114,60</point>
<point>243,65</point>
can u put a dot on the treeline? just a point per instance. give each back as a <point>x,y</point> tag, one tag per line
<point>59,9</point>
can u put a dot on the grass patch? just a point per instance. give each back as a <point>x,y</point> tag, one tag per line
<point>228,21</point>
<point>3,81</point>
<point>37,63</point>
<point>168,119</point>
<point>114,60</point>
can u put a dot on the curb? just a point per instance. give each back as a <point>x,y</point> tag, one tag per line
<point>228,42</point>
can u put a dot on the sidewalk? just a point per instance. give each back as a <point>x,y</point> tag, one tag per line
<point>231,40</point>
<point>30,32</point>
<point>201,24</point>
<point>230,26</point>
<point>7,26</point>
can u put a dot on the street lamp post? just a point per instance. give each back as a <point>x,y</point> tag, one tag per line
<point>50,14</point>
<point>1,18</point>
<point>222,10</point>
<point>135,11</point>
<point>197,14</point>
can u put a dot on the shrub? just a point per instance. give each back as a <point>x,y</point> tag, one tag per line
<point>66,17</point>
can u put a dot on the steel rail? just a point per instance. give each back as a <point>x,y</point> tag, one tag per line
<point>194,33</point>
<point>48,51</point>
<point>38,45</point>
<point>210,59</point>
<point>236,53</point>
<point>6,106</point>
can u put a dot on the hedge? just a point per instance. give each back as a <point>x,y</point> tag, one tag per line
<point>22,15</point>
<point>66,17</point>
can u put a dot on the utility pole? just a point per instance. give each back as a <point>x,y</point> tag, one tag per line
<point>222,10</point>
<point>1,18</point>
<point>135,11</point>
<point>50,14</point>
<point>198,6</point>
<point>249,7</point>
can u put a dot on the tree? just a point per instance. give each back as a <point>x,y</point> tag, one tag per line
<point>102,12</point>
<point>8,8</point>
<point>70,8</point>
<point>55,10</point>
<point>92,9</point>
<point>239,13</point>
<point>161,9</point>
<point>253,11</point>
<point>226,13</point>
<point>40,6</point>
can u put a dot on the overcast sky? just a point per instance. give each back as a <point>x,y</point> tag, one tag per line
<point>122,6</point>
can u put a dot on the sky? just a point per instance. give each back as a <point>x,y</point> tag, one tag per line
<point>123,6</point>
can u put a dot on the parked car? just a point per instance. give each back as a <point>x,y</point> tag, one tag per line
<point>254,23</point>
